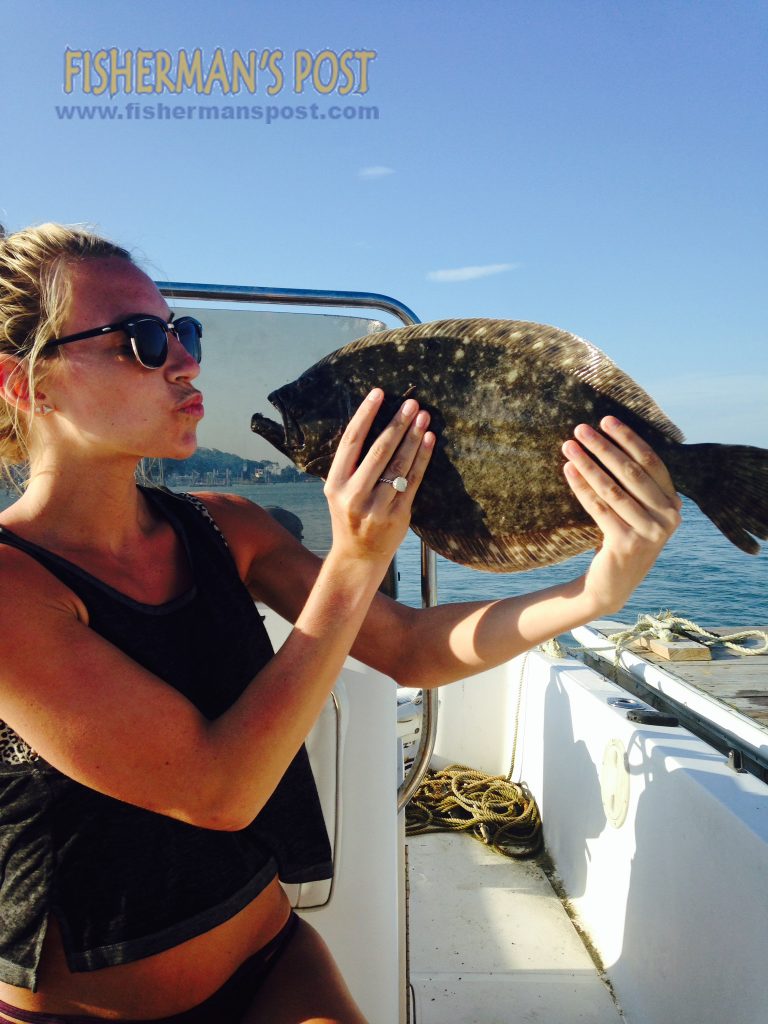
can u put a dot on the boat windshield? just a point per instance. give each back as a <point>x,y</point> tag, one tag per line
<point>248,353</point>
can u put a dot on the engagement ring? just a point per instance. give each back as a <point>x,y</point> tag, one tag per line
<point>399,483</point>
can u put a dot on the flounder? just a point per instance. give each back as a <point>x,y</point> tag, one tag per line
<point>504,395</point>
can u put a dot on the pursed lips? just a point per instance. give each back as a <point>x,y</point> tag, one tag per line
<point>193,405</point>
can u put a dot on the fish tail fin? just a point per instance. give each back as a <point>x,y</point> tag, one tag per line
<point>729,483</point>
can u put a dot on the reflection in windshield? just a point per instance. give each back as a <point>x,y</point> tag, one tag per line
<point>246,355</point>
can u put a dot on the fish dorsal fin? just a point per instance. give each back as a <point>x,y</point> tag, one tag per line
<point>567,351</point>
<point>367,341</point>
<point>587,362</point>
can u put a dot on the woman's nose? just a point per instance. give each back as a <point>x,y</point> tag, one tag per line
<point>179,362</point>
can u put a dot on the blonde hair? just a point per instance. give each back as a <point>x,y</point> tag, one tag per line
<point>35,294</point>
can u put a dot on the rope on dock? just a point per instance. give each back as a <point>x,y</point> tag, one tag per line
<point>666,625</point>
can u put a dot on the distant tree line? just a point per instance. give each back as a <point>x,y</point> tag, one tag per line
<point>209,465</point>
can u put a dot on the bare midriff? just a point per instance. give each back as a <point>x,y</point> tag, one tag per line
<point>159,985</point>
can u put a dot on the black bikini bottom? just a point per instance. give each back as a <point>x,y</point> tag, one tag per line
<point>229,1003</point>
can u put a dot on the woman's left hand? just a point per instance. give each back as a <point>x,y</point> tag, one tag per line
<point>637,510</point>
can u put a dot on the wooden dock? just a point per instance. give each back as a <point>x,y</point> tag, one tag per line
<point>727,693</point>
<point>737,680</point>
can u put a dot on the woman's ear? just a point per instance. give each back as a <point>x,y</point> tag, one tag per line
<point>14,385</point>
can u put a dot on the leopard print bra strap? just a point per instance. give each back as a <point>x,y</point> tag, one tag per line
<point>13,749</point>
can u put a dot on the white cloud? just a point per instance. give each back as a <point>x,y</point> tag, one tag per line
<point>470,273</point>
<point>375,172</point>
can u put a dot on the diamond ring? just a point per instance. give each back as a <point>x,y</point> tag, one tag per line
<point>399,483</point>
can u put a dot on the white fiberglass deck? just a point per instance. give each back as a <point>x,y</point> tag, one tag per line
<point>661,847</point>
<point>491,943</point>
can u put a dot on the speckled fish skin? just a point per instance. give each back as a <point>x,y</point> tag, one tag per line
<point>503,396</point>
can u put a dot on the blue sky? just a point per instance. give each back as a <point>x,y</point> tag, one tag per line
<point>596,165</point>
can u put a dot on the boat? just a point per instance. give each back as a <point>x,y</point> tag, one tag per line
<point>648,903</point>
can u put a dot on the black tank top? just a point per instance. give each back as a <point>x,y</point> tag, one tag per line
<point>124,882</point>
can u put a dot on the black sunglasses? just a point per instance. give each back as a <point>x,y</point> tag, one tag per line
<point>149,337</point>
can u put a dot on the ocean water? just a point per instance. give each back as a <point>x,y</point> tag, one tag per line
<point>699,575</point>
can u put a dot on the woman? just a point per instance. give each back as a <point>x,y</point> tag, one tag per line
<point>153,745</point>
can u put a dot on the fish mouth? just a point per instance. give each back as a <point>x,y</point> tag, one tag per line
<point>295,441</point>
<point>313,455</point>
<point>287,437</point>
<point>272,432</point>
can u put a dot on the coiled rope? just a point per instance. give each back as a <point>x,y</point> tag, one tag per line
<point>503,814</point>
<point>491,808</point>
<point>666,626</point>
<point>497,812</point>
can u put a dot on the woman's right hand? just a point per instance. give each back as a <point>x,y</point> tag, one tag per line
<point>627,490</point>
<point>369,518</point>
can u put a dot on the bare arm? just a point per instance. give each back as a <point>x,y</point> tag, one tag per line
<point>100,718</point>
<point>637,513</point>
<point>104,721</point>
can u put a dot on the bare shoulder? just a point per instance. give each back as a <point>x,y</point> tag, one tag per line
<point>228,504</point>
<point>273,564</point>
<point>250,532</point>
<point>37,609</point>
<point>233,512</point>
<point>28,589</point>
